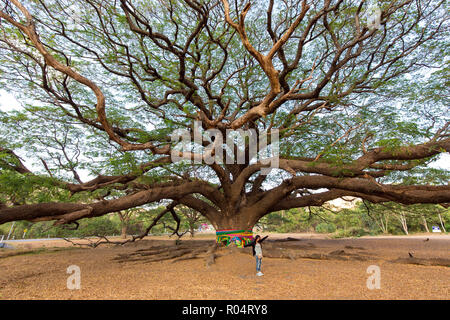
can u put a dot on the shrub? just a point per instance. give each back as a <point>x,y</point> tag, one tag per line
<point>325,227</point>
<point>352,232</point>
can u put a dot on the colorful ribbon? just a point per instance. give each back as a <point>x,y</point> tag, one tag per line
<point>238,237</point>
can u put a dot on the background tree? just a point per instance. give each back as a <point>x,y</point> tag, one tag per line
<point>192,217</point>
<point>124,217</point>
<point>361,109</point>
<point>362,219</point>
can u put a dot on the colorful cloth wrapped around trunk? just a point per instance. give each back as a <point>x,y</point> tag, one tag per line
<point>238,237</point>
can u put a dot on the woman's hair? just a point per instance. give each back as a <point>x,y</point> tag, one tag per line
<point>257,237</point>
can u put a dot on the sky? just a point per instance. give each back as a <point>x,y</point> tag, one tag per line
<point>8,103</point>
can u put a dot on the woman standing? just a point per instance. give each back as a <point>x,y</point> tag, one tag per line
<point>257,252</point>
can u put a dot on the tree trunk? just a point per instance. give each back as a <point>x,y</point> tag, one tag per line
<point>233,225</point>
<point>402,219</point>
<point>226,224</point>
<point>442,223</point>
<point>425,224</point>
<point>124,231</point>
<point>383,223</point>
<point>386,223</point>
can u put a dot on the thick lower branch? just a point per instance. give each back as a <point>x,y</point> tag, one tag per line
<point>55,211</point>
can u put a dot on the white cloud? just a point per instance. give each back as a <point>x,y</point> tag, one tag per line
<point>443,162</point>
<point>8,102</point>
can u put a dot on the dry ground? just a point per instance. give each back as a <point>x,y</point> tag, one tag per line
<point>310,268</point>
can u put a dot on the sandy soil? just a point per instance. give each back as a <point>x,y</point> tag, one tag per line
<point>314,267</point>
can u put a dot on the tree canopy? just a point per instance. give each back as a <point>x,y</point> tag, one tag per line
<point>361,107</point>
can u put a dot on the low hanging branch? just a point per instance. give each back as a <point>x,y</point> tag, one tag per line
<point>178,221</point>
<point>105,240</point>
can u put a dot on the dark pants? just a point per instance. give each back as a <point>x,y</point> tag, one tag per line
<point>258,264</point>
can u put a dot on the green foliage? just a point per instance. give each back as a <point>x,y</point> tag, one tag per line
<point>326,227</point>
<point>393,94</point>
<point>3,230</point>
<point>364,219</point>
<point>351,232</point>
<point>42,128</point>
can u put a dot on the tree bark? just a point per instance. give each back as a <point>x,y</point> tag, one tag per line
<point>442,223</point>
<point>425,224</point>
<point>402,219</point>
<point>124,231</point>
<point>235,221</point>
<point>191,230</point>
<point>385,222</point>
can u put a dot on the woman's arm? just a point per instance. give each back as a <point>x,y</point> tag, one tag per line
<point>263,239</point>
<point>249,244</point>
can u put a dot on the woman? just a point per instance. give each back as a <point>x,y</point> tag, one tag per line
<point>257,252</point>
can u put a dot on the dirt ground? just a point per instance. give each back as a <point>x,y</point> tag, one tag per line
<point>295,266</point>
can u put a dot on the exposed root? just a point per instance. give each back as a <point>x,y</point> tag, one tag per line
<point>284,240</point>
<point>357,248</point>
<point>169,255</point>
<point>441,262</point>
<point>176,253</point>
<point>210,251</point>
<point>179,252</point>
<point>194,255</point>
<point>211,255</point>
<point>294,253</point>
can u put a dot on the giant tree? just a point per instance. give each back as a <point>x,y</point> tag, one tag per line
<point>357,96</point>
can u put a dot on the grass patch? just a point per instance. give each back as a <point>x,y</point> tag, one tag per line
<point>20,252</point>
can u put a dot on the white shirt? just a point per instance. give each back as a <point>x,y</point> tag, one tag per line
<point>258,250</point>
